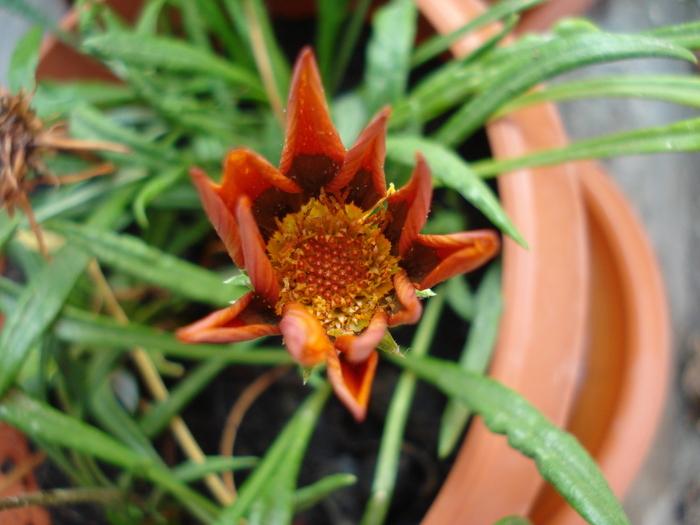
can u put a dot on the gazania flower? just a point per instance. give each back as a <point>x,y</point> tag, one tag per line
<point>333,258</point>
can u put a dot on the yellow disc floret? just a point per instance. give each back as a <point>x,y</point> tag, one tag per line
<point>334,260</point>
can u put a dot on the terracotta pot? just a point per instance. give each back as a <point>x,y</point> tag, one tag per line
<point>584,335</point>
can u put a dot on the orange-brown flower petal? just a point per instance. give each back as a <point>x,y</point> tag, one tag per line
<point>352,382</point>
<point>362,171</point>
<point>409,207</point>
<point>271,193</point>
<point>220,215</point>
<point>304,336</point>
<point>312,150</point>
<point>357,348</point>
<point>248,318</point>
<point>411,308</point>
<point>262,275</point>
<point>435,258</point>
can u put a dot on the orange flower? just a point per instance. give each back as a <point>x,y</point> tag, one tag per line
<point>333,258</point>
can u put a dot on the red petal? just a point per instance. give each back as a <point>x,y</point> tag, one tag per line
<point>352,383</point>
<point>411,308</point>
<point>262,276</point>
<point>409,207</point>
<point>219,215</point>
<point>435,258</point>
<point>304,335</point>
<point>363,168</point>
<point>248,318</point>
<point>310,131</point>
<point>358,347</point>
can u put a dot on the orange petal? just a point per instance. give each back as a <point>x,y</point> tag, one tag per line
<point>411,308</point>
<point>219,215</point>
<point>358,347</point>
<point>248,318</point>
<point>304,335</point>
<point>312,148</point>
<point>262,276</point>
<point>352,382</point>
<point>435,258</point>
<point>363,168</point>
<point>409,207</point>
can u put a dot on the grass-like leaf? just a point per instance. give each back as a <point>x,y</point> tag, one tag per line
<point>310,495</point>
<point>679,136</point>
<point>43,422</point>
<point>441,43</point>
<point>448,168</point>
<point>545,61</point>
<point>24,60</point>
<point>268,493</point>
<point>668,88</point>
<point>171,55</point>
<point>151,265</point>
<point>686,35</point>
<point>560,458</point>
<point>476,354</point>
<point>189,471</point>
<point>389,53</point>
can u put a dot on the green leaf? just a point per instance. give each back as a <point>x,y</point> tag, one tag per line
<point>99,332</point>
<point>330,20</point>
<point>53,99</point>
<point>545,61</point>
<point>455,173</point>
<point>149,264</point>
<point>172,55</point>
<point>151,189</point>
<point>348,42</point>
<point>307,497</point>
<point>44,296</point>
<point>513,520</point>
<point>268,493</point>
<point>559,457</point>
<point>460,297</point>
<point>389,53</point>
<point>441,43</point>
<point>36,16</point>
<point>24,60</point>
<point>686,35</point>
<point>8,226</point>
<point>43,422</point>
<point>677,89</point>
<point>189,471</point>
<point>679,136</point>
<point>476,355</point>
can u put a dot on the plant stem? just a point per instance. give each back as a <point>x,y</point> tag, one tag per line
<point>157,388</point>
<point>392,437</point>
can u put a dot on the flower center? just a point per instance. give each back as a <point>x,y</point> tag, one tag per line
<point>335,261</point>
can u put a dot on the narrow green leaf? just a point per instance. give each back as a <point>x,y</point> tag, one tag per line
<point>455,173</point>
<point>189,472</point>
<point>677,89</point>
<point>350,114</point>
<point>330,19</point>
<point>8,226</point>
<point>43,422</point>
<point>44,296</point>
<point>162,412</point>
<point>147,23</point>
<point>172,55</point>
<point>307,497</point>
<point>149,264</point>
<point>151,189</point>
<point>559,457</point>
<point>53,99</point>
<point>348,42</point>
<point>441,43</point>
<point>460,297</point>
<point>24,60</point>
<point>513,520</point>
<point>280,67</point>
<point>274,479</point>
<point>387,467</point>
<point>686,35</point>
<point>545,61</point>
<point>26,10</point>
<point>389,53</point>
<point>679,136</point>
<point>99,332</point>
<point>475,356</point>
